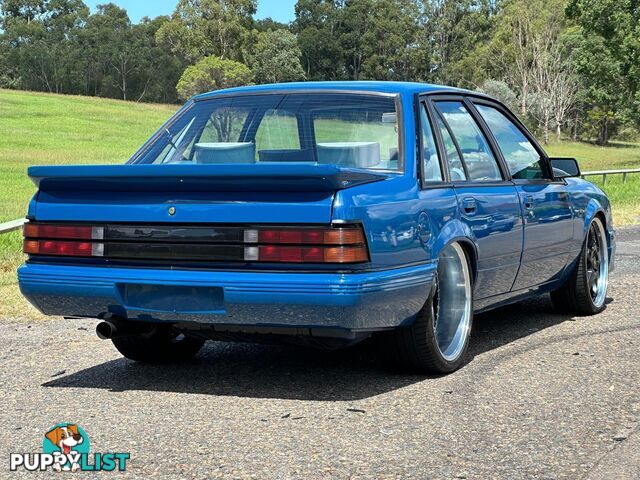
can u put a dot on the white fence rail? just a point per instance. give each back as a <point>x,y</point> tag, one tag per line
<point>17,224</point>
<point>604,173</point>
<point>12,225</point>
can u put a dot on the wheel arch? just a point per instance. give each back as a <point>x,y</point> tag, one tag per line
<point>456,231</point>
<point>596,210</point>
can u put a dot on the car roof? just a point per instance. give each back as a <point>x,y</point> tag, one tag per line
<point>365,86</point>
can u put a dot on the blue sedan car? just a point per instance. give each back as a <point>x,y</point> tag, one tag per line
<point>323,213</point>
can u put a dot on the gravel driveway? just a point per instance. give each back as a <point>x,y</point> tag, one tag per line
<point>544,396</point>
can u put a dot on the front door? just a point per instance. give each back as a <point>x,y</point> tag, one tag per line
<point>548,232</point>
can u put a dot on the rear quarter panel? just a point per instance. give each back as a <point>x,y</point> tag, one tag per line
<point>391,210</point>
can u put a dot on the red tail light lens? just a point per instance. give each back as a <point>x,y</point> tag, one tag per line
<point>39,230</point>
<point>319,236</point>
<point>69,249</point>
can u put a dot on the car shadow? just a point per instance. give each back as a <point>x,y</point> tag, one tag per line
<point>287,372</point>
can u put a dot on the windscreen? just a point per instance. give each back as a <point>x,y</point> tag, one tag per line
<point>350,130</point>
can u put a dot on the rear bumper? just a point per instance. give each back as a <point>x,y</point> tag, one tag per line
<point>354,301</point>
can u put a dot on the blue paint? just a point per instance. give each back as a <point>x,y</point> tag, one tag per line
<point>522,237</point>
<point>354,301</point>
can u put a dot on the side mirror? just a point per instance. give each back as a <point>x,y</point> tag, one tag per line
<point>565,167</point>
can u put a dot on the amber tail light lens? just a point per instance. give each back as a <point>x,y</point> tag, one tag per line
<point>65,248</point>
<point>277,253</point>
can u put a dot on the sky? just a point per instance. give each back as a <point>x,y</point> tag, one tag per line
<point>280,10</point>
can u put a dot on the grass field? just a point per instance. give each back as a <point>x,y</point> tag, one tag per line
<point>39,129</point>
<point>42,129</point>
<point>625,198</point>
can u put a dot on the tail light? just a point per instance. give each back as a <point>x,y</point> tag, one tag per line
<point>337,245</point>
<point>64,240</point>
<point>290,245</point>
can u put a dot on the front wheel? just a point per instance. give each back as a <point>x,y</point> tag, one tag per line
<point>161,345</point>
<point>585,290</point>
<point>437,340</point>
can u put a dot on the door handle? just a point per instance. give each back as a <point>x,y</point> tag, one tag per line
<point>469,206</point>
<point>528,201</point>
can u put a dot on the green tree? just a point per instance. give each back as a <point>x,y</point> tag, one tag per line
<point>28,10</point>
<point>162,69</point>
<point>360,39</point>
<point>119,59</point>
<point>454,38</point>
<point>607,58</point>
<point>384,40</point>
<point>276,57</point>
<point>212,73</point>
<point>267,24</point>
<point>38,40</point>
<point>318,26</point>
<point>115,53</point>
<point>199,28</point>
<point>500,90</point>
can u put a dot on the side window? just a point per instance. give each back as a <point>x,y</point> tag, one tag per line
<point>224,125</point>
<point>278,130</point>
<point>456,169</point>
<point>430,162</point>
<point>522,158</point>
<point>478,158</point>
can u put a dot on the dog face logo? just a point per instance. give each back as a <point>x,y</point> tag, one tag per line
<point>65,437</point>
<point>68,440</point>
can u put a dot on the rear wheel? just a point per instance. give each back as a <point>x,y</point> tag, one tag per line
<point>438,338</point>
<point>585,290</point>
<point>161,345</point>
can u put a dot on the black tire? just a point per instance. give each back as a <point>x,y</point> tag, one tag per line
<point>576,295</point>
<point>415,348</point>
<point>161,345</point>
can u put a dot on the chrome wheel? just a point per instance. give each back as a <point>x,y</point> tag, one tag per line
<point>597,263</point>
<point>452,302</point>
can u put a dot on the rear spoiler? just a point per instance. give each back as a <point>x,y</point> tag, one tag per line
<point>271,177</point>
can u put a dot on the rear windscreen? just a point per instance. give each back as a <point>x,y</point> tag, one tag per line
<point>350,130</point>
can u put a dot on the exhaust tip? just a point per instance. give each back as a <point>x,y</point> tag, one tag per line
<point>106,330</point>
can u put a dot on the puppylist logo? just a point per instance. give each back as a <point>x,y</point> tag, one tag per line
<point>65,448</point>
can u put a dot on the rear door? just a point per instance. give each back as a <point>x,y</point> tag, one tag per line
<point>548,230</point>
<point>488,202</point>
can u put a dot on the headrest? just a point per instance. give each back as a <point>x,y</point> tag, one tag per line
<point>349,154</point>
<point>225,152</point>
